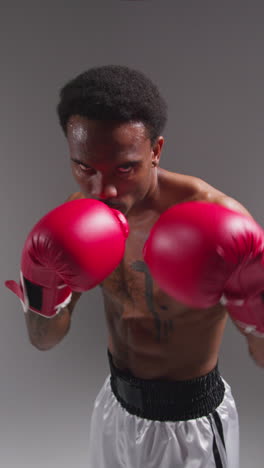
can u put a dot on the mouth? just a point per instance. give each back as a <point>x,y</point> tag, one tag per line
<point>114,205</point>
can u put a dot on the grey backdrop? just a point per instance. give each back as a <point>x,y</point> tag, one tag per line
<point>207,58</point>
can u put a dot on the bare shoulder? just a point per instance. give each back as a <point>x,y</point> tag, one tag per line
<point>179,187</point>
<point>75,196</point>
<point>182,187</point>
<point>213,195</point>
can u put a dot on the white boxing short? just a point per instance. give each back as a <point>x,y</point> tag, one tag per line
<point>154,423</point>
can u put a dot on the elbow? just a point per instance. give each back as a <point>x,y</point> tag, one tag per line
<point>45,344</point>
<point>42,346</point>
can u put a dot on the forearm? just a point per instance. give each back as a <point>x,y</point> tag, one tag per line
<point>45,333</point>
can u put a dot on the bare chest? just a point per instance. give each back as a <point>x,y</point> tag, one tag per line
<point>149,332</point>
<point>133,300</point>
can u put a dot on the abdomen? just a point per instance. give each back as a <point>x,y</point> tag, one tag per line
<point>175,343</point>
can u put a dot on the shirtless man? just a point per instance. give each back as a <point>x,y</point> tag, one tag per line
<point>165,403</point>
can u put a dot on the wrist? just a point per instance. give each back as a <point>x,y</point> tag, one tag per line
<point>248,315</point>
<point>249,330</point>
<point>45,300</point>
<point>57,309</point>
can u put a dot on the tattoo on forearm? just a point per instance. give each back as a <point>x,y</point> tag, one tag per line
<point>163,327</point>
<point>38,325</point>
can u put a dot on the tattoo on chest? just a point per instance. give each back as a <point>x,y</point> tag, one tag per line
<point>163,327</point>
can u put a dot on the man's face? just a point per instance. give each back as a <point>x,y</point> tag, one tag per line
<point>113,162</point>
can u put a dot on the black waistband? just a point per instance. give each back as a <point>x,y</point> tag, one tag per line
<point>162,400</point>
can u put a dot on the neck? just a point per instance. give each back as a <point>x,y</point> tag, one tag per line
<point>151,200</point>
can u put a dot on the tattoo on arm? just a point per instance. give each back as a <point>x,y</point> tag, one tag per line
<point>38,325</point>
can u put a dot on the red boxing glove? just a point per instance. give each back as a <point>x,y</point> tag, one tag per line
<point>200,253</point>
<point>72,248</point>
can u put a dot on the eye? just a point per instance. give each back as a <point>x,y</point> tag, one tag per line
<point>125,169</point>
<point>84,168</point>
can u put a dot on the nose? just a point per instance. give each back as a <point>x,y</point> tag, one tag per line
<point>103,189</point>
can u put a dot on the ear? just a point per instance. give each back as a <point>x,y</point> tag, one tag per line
<point>156,151</point>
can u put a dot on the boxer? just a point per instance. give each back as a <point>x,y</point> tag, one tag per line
<point>193,257</point>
